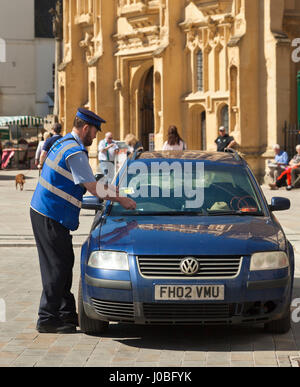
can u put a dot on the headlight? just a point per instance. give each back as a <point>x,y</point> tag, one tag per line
<point>110,260</point>
<point>269,260</point>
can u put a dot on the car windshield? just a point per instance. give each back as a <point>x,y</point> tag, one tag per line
<point>187,187</point>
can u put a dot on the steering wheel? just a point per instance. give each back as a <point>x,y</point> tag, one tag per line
<point>243,202</point>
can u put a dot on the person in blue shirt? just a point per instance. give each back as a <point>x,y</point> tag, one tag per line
<point>54,212</point>
<point>280,162</point>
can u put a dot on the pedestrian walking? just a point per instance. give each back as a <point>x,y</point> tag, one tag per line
<point>175,142</point>
<point>38,152</point>
<point>107,152</point>
<point>56,135</point>
<point>54,212</point>
<point>133,143</point>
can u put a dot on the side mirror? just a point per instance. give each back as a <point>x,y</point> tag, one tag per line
<point>92,203</point>
<point>280,204</point>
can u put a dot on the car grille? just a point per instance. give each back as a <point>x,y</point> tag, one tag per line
<point>119,311</point>
<point>210,266</point>
<point>187,312</point>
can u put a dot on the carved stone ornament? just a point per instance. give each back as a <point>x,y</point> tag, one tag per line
<point>88,45</point>
<point>214,7</point>
<point>57,21</point>
<point>140,14</point>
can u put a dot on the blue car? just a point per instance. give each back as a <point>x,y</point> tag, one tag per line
<point>202,247</point>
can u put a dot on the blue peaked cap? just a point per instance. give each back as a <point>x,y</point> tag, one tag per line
<point>90,117</point>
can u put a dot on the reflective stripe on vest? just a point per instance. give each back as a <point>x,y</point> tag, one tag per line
<point>60,193</point>
<point>54,165</point>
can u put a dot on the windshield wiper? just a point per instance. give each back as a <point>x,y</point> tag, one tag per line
<point>237,212</point>
<point>160,213</point>
<point>181,213</point>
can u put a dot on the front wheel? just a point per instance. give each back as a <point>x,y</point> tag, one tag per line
<point>86,324</point>
<point>280,326</point>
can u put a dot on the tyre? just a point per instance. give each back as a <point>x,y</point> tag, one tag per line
<point>280,326</point>
<point>86,324</point>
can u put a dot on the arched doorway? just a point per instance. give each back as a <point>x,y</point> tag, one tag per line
<point>146,109</point>
<point>203,131</point>
<point>197,122</point>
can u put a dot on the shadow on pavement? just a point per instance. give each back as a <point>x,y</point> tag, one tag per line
<point>13,177</point>
<point>191,338</point>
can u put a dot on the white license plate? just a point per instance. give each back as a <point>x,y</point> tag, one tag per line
<point>191,292</point>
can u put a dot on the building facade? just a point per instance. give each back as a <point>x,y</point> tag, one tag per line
<point>27,51</point>
<point>146,64</point>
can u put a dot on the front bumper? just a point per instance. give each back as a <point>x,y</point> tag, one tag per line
<point>250,297</point>
<point>176,314</point>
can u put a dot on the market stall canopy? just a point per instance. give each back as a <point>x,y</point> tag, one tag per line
<point>29,121</point>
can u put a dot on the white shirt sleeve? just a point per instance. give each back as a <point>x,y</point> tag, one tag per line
<point>39,150</point>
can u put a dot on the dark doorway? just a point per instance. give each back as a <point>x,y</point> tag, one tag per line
<point>203,131</point>
<point>147,116</point>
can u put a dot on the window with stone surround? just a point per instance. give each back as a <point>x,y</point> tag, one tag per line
<point>199,70</point>
<point>224,116</point>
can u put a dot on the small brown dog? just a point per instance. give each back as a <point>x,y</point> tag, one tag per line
<point>20,180</point>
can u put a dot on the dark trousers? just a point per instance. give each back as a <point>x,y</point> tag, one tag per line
<point>56,257</point>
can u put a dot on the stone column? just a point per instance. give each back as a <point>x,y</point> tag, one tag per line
<point>57,23</point>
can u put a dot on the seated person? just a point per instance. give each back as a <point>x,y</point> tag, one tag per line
<point>285,179</point>
<point>278,165</point>
<point>295,177</point>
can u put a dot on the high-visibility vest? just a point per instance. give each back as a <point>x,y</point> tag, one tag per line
<point>56,196</point>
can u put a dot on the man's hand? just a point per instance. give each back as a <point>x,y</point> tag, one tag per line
<point>127,203</point>
<point>110,192</point>
<point>232,144</point>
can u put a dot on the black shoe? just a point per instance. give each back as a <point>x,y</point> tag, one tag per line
<point>56,328</point>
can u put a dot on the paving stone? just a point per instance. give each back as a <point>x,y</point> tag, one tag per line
<point>264,355</point>
<point>242,364</point>
<point>147,364</point>
<point>266,361</point>
<point>26,361</point>
<point>98,364</point>
<point>194,364</point>
<point>241,356</point>
<point>195,356</point>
